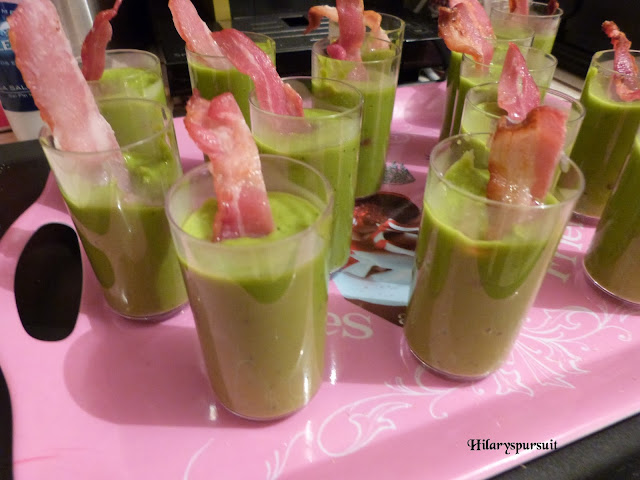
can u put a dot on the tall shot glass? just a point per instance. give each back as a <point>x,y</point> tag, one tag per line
<point>606,135</point>
<point>521,37</point>
<point>212,75</point>
<point>260,305</point>
<point>377,78</point>
<point>612,261</point>
<point>481,111</point>
<point>130,73</point>
<point>327,137</point>
<point>116,201</point>
<point>479,262</point>
<point>544,24</point>
<point>541,65</point>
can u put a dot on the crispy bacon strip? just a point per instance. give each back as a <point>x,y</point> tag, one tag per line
<point>372,20</point>
<point>465,28</point>
<point>479,14</point>
<point>628,82</point>
<point>220,131</point>
<point>352,31</point>
<point>193,30</point>
<point>519,6</point>
<point>272,93</point>
<point>552,6</point>
<point>93,52</point>
<point>316,13</point>
<point>45,59</point>
<point>518,93</point>
<point>524,156</point>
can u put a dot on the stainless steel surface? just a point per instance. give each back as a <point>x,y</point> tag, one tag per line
<point>76,17</point>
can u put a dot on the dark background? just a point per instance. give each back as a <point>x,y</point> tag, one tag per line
<point>613,453</point>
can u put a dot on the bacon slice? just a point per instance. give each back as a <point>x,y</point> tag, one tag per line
<point>519,6</point>
<point>95,43</point>
<point>552,6</point>
<point>628,82</point>
<point>372,20</point>
<point>316,13</point>
<point>192,29</point>
<point>45,59</point>
<point>220,131</point>
<point>479,14</point>
<point>272,93</point>
<point>352,31</point>
<point>465,28</point>
<point>518,93</point>
<point>524,156</point>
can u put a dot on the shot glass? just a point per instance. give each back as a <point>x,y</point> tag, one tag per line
<point>327,137</point>
<point>259,305</point>
<point>481,111</point>
<point>479,262</point>
<point>392,26</point>
<point>541,65</point>
<point>130,73</point>
<point>522,38</point>
<point>212,75</point>
<point>606,136</point>
<point>377,78</point>
<point>545,25</point>
<point>116,201</point>
<point>612,262</point>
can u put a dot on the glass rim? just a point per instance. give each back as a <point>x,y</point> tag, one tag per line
<point>529,33</point>
<point>595,60</point>
<point>549,56</point>
<point>253,101</point>
<point>249,34</point>
<point>553,91</point>
<point>444,145</point>
<point>46,132</point>
<point>204,170</point>
<point>320,48</point>
<point>499,7</point>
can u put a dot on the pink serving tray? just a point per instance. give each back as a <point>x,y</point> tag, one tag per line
<point>121,400</point>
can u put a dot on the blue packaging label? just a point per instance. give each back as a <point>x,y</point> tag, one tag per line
<point>14,94</point>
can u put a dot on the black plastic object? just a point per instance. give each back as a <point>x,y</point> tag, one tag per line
<point>6,432</point>
<point>23,174</point>
<point>48,282</point>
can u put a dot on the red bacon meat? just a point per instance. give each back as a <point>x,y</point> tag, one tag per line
<point>272,93</point>
<point>352,31</point>
<point>519,6</point>
<point>45,59</point>
<point>524,156</point>
<point>218,128</point>
<point>192,29</point>
<point>372,20</point>
<point>628,82</point>
<point>465,28</point>
<point>95,43</point>
<point>518,94</point>
<point>316,13</point>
